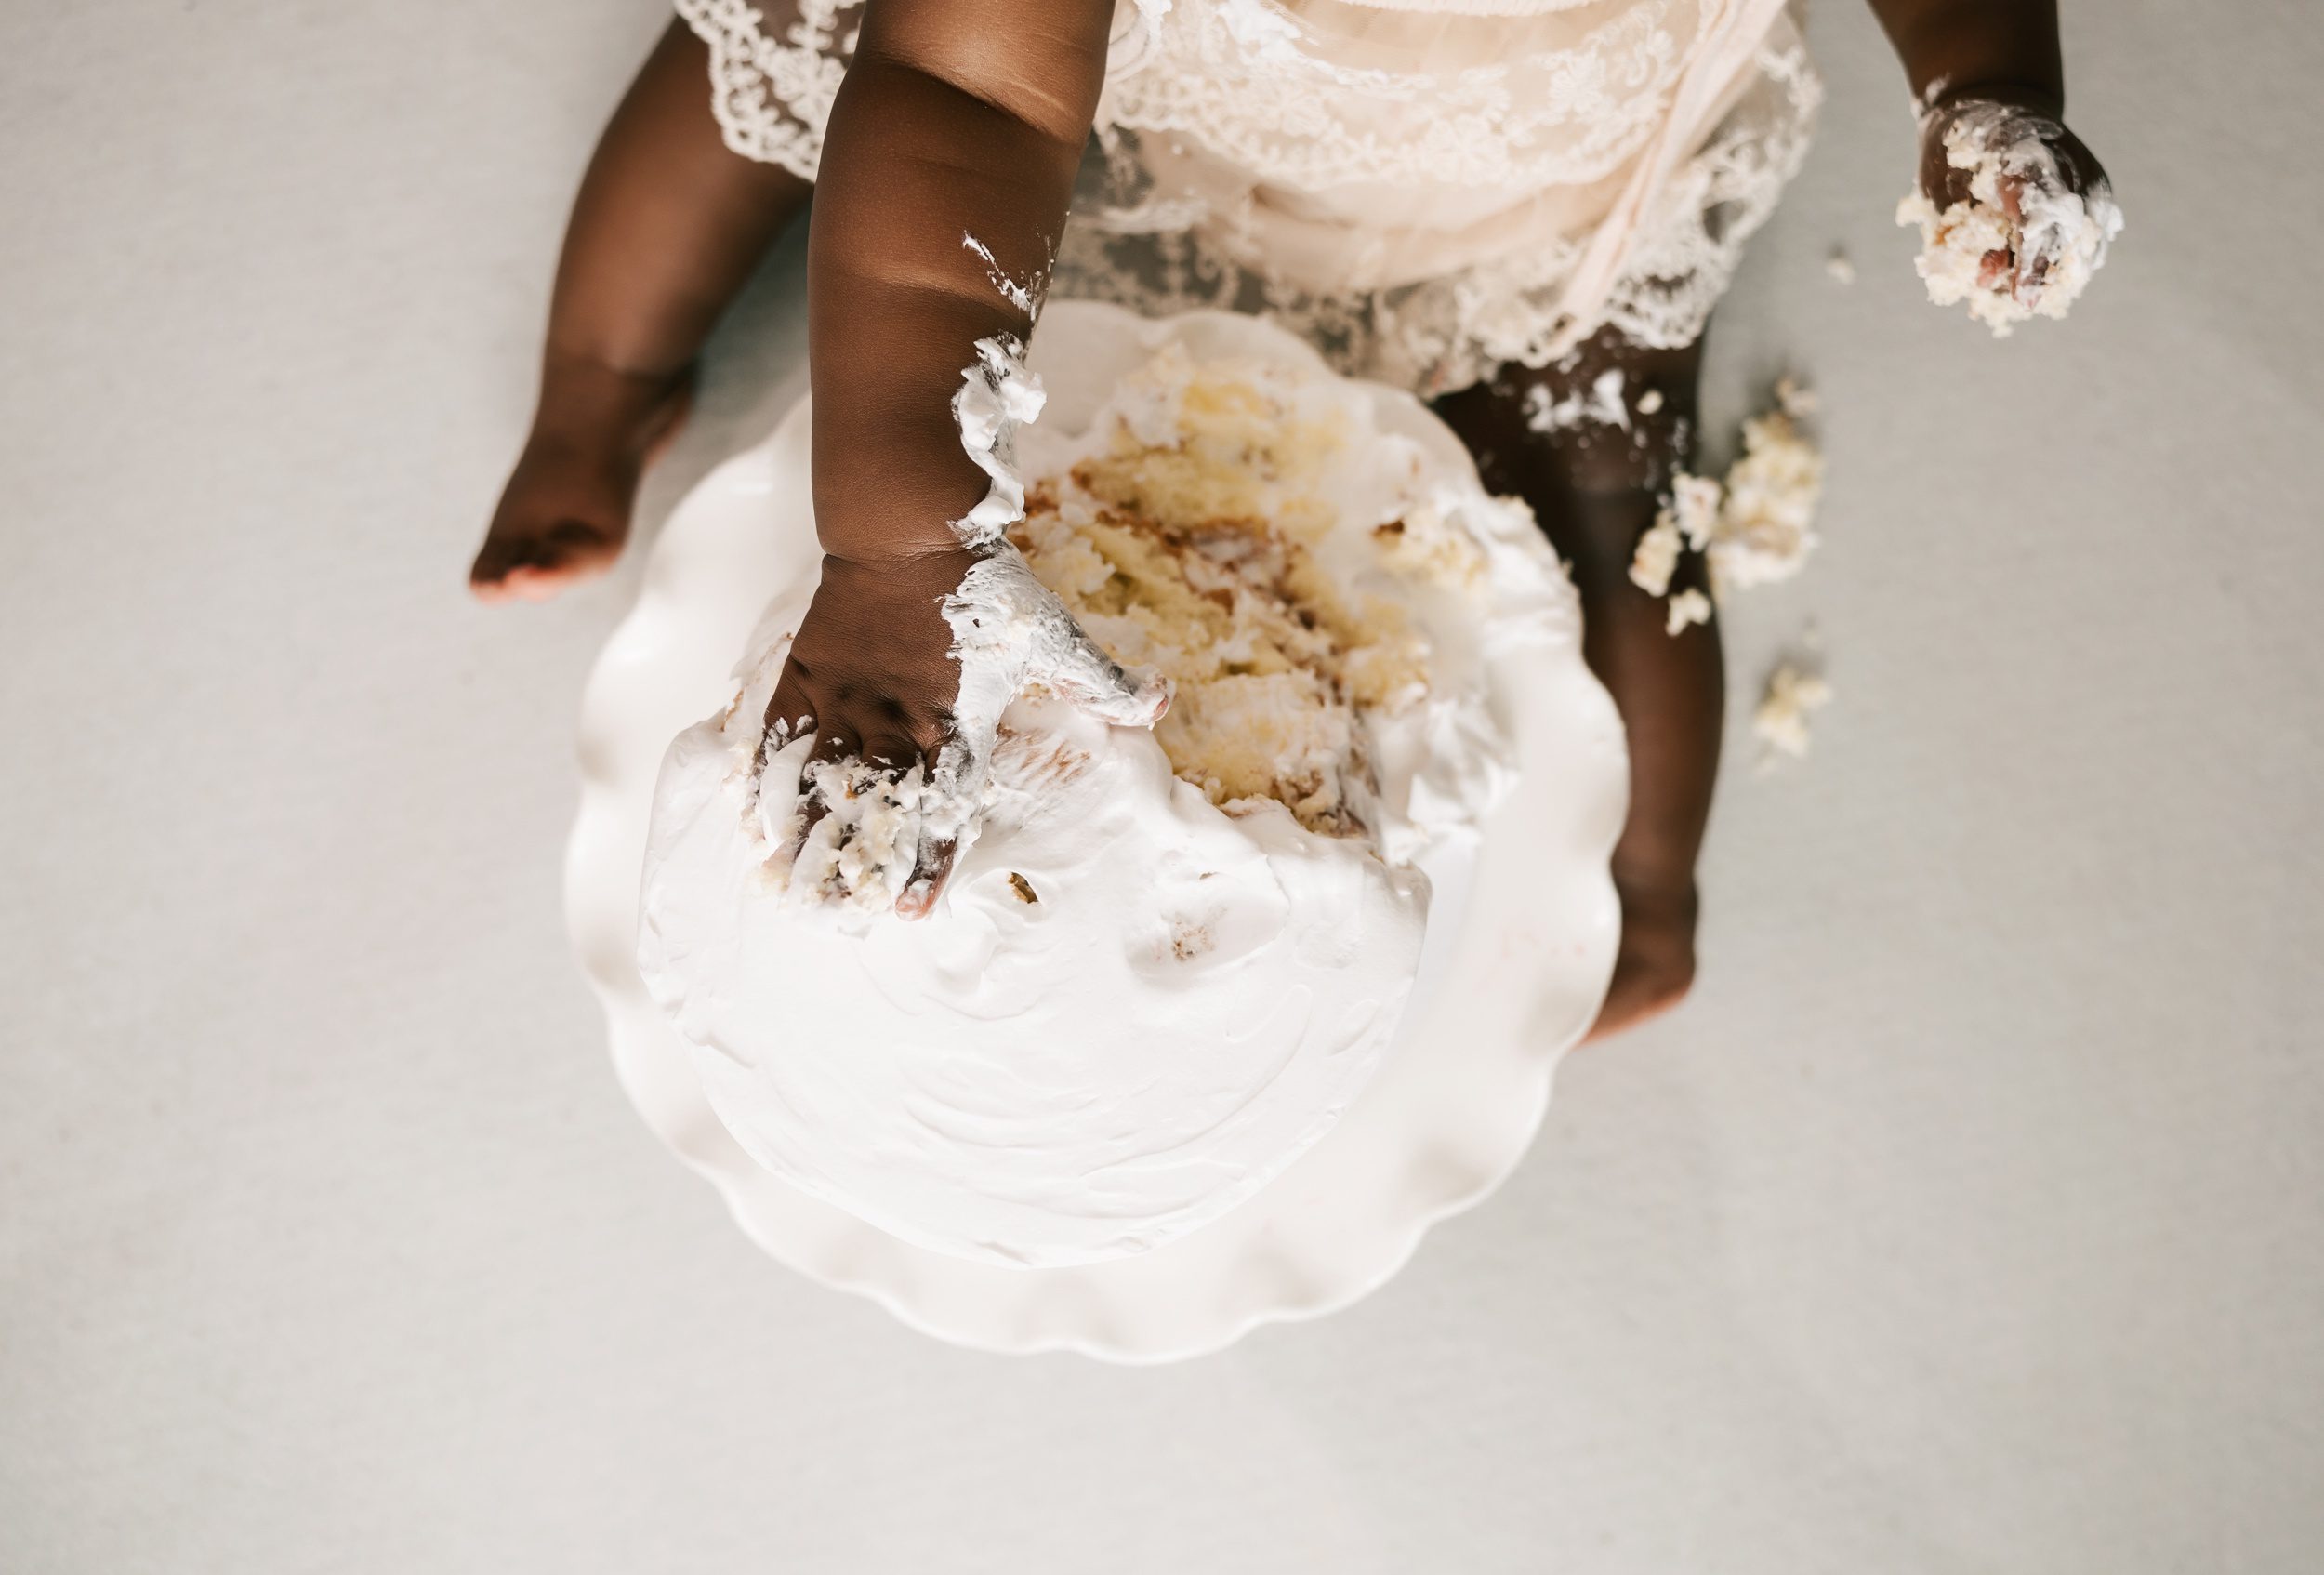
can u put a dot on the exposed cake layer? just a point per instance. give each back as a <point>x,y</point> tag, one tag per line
<point>1199,535</point>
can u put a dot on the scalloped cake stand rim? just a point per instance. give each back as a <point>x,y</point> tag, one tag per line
<point>1444,1122</point>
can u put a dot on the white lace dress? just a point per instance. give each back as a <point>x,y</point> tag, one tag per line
<point>1425,189</point>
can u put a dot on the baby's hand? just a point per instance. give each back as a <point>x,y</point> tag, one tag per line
<point>2015,212</point>
<point>901,670</point>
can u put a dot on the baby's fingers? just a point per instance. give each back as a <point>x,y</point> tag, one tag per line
<point>833,746</point>
<point>814,802</point>
<point>931,868</point>
<point>2033,269</point>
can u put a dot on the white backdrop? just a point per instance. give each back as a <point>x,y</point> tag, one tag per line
<point>1967,1218</point>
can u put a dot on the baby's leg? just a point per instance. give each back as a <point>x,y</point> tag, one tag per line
<point>1595,487</point>
<point>666,230</point>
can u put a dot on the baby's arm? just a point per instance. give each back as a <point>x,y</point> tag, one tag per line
<point>1950,47</point>
<point>957,118</point>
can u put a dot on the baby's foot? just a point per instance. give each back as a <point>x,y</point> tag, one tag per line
<point>566,511</point>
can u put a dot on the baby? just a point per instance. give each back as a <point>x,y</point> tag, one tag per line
<point>1495,203</point>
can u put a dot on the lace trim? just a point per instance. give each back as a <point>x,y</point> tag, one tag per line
<point>1257,98</point>
<point>772,87</point>
<point>1684,259</point>
<point>772,93</point>
<point>1443,334</point>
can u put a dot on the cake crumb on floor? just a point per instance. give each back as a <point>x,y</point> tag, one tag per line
<point>1792,697</point>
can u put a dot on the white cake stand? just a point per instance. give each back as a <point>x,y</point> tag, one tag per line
<point>1521,960</point>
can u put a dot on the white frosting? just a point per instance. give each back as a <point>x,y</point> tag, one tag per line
<point>1598,406</point>
<point>997,396</point>
<point>1022,294</point>
<point>1132,1006</point>
<point>2022,245</point>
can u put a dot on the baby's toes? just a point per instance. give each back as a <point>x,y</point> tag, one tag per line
<point>573,550</point>
<point>496,561</point>
<point>533,564</point>
<point>563,517</point>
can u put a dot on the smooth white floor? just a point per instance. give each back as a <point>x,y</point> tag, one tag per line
<point>1971,1218</point>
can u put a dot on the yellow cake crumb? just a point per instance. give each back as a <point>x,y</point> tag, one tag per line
<point>1187,543</point>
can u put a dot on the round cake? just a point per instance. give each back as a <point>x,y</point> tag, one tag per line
<point>1169,959</point>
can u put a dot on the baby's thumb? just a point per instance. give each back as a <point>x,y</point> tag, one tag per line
<point>1084,674</point>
